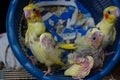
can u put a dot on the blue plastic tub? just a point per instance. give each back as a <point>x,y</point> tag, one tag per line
<point>12,23</point>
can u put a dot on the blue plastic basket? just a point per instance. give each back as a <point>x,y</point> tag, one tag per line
<point>12,23</point>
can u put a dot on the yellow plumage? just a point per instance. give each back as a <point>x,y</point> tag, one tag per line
<point>40,43</point>
<point>67,46</point>
<point>79,71</point>
<point>34,22</point>
<point>92,40</point>
<point>107,25</point>
<point>90,44</point>
<point>45,51</point>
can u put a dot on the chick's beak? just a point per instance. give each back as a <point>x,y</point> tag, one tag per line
<point>117,13</point>
<point>27,13</point>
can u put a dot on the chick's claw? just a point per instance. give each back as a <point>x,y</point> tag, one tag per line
<point>48,72</point>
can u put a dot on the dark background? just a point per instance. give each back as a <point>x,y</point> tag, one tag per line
<point>3,11</point>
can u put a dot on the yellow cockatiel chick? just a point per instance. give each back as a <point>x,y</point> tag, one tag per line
<point>107,25</point>
<point>40,42</point>
<point>34,22</point>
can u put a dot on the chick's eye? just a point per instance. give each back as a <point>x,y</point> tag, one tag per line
<point>34,10</point>
<point>109,12</point>
<point>94,38</point>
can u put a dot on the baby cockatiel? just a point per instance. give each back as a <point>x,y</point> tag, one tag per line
<point>92,40</point>
<point>107,25</point>
<point>80,70</point>
<point>34,22</point>
<point>40,43</point>
<point>35,25</point>
<point>90,44</point>
<point>45,51</point>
